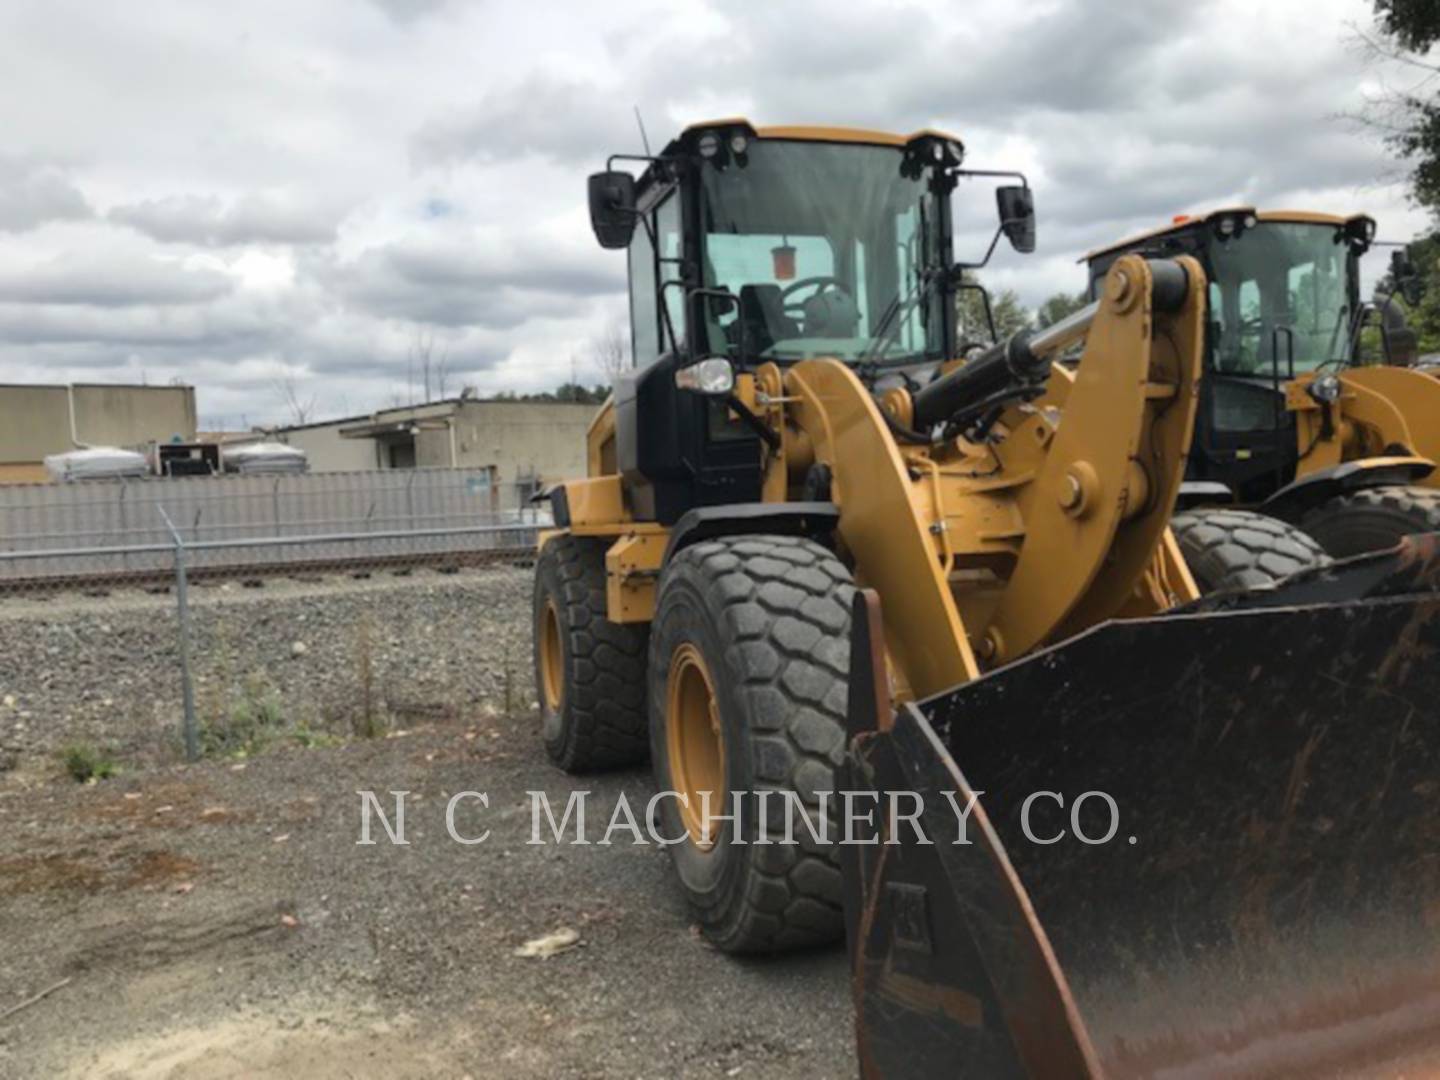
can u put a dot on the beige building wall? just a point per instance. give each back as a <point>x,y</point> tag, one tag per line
<point>134,415</point>
<point>518,439</point>
<point>35,421</point>
<point>326,451</point>
<point>23,474</point>
<point>524,438</point>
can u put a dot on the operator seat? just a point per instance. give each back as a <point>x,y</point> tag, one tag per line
<point>762,315</point>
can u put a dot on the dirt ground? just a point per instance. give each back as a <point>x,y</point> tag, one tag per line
<point>220,920</point>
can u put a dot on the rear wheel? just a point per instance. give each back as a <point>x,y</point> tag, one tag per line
<point>1373,518</point>
<point>1240,549</point>
<point>748,663</point>
<point>589,672</point>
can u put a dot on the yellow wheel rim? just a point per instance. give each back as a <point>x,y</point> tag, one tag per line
<point>552,658</point>
<point>696,744</point>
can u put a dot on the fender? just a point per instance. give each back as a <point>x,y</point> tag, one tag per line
<point>1203,493</point>
<point>1292,501</point>
<point>816,520</point>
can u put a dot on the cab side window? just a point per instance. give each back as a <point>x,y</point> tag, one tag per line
<point>667,227</point>
<point>644,315</point>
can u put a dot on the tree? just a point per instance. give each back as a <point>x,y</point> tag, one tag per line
<point>1423,317</point>
<point>1412,24</point>
<point>1409,118</point>
<point>609,350</point>
<point>432,366</point>
<point>1058,307</point>
<point>972,327</point>
<point>300,408</point>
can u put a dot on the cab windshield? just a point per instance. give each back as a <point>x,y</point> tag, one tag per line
<point>829,251</point>
<point>1280,294</point>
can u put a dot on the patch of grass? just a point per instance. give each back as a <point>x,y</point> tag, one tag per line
<point>310,739</point>
<point>255,718</point>
<point>252,720</point>
<point>86,764</point>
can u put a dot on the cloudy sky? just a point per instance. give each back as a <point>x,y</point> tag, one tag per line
<point>242,196</point>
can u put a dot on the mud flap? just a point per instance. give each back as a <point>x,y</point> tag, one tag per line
<point>1204,844</point>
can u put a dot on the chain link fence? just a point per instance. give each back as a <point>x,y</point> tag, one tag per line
<point>188,643</point>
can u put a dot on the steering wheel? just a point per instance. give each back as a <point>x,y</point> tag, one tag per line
<point>821,282</point>
<point>1230,364</point>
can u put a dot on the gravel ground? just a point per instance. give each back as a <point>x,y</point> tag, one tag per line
<point>219,919</point>
<point>321,657</point>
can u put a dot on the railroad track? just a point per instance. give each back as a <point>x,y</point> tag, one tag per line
<point>163,578</point>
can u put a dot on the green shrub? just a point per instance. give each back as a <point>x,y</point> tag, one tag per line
<point>86,764</point>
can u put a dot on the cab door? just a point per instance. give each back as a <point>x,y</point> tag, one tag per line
<point>1245,436</point>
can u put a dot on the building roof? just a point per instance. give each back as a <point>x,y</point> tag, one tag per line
<point>95,386</point>
<point>377,418</point>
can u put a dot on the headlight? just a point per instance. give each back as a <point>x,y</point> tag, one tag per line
<point>709,144</point>
<point>1325,389</point>
<point>712,376</point>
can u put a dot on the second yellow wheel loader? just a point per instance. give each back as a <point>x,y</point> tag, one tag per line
<point>1289,425</point>
<point>1080,821</point>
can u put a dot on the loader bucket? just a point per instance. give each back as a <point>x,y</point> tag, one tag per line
<point>1269,902</point>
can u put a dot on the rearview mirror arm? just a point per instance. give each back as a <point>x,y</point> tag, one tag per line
<point>999,174</point>
<point>988,252</point>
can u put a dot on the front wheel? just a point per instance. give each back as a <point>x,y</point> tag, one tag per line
<point>748,665</point>
<point>1373,519</point>
<point>1240,549</point>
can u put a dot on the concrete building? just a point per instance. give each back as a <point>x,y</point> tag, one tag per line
<point>521,442</point>
<point>36,420</point>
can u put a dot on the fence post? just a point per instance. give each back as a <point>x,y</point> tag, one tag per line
<point>125,536</point>
<point>182,611</point>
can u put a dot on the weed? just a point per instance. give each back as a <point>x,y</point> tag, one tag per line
<point>250,722</point>
<point>86,764</point>
<point>310,739</point>
<point>366,722</point>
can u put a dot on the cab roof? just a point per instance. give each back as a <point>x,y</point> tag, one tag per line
<point>820,133</point>
<point>1182,222</point>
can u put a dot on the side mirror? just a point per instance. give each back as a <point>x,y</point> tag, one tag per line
<point>1408,282</point>
<point>612,207</point>
<point>1017,216</point>
<point>1399,341</point>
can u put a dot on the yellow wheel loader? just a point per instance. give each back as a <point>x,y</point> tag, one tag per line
<point>897,633</point>
<point>1289,426</point>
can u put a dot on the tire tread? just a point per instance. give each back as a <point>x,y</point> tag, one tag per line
<point>605,687</point>
<point>785,604</point>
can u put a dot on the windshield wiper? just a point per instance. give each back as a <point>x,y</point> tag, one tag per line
<point>890,322</point>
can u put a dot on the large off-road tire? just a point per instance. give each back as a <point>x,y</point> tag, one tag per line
<point>589,672</point>
<point>1373,518</point>
<point>1240,549</point>
<point>749,653</point>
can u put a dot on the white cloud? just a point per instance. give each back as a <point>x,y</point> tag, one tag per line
<point>253,218</point>
<point>32,194</point>
<point>224,193</point>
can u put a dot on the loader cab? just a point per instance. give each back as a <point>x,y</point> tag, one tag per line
<point>1283,301</point>
<point>751,246</point>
